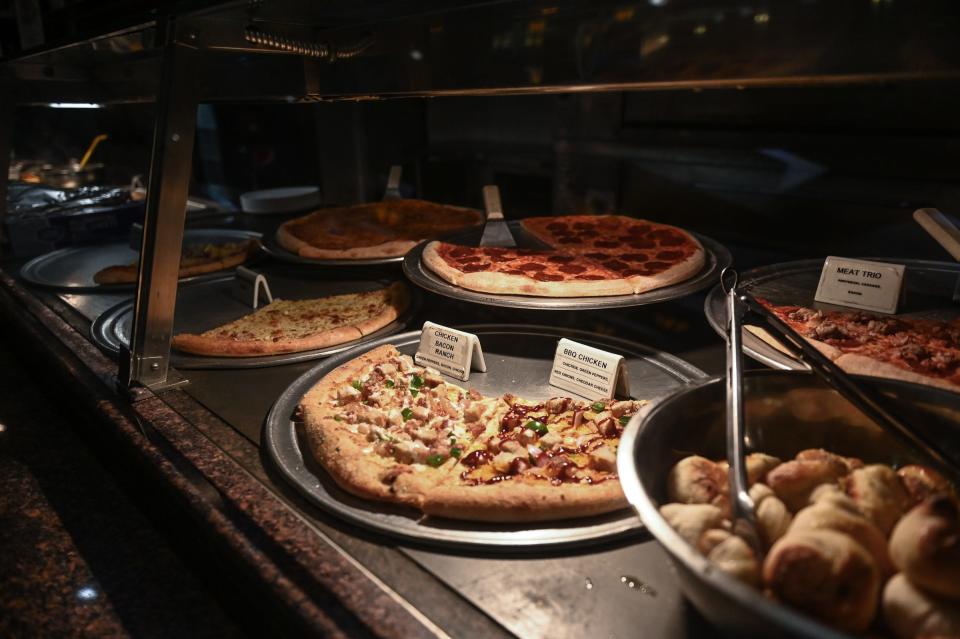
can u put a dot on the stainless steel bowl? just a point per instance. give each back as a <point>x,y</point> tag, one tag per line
<point>787,411</point>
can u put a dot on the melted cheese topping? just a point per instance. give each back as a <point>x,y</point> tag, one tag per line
<point>297,319</point>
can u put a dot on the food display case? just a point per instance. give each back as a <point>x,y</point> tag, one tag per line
<point>773,133</point>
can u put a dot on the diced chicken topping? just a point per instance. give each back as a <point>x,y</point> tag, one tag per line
<point>347,394</point>
<point>603,459</point>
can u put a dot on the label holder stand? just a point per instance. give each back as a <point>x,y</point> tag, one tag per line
<point>452,352</point>
<point>248,285</point>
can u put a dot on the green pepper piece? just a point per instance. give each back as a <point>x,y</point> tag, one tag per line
<point>597,407</point>
<point>537,426</point>
<point>390,383</point>
<point>356,384</point>
<point>416,381</point>
<point>434,460</point>
<point>624,420</point>
<point>406,413</point>
<point>455,452</point>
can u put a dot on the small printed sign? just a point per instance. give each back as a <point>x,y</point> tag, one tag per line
<point>589,372</point>
<point>872,286</point>
<point>450,351</point>
<point>248,285</point>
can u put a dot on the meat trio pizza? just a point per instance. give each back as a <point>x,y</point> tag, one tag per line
<point>590,256</point>
<point>379,229</point>
<point>389,430</point>
<point>912,349</point>
<point>196,259</point>
<point>290,326</point>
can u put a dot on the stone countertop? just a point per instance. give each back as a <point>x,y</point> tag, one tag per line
<point>79,558</point>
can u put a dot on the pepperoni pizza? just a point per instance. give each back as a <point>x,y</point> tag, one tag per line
<point>589,256</point>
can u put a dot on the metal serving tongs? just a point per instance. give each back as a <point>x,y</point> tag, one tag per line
<point>743,306</point>
<point>743,510</point>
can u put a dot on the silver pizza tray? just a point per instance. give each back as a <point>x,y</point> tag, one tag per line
<point>72,269</point>
<point>716,259</point>
<point>518,360</point>
<point>928,290</point>
<point>205,305</point>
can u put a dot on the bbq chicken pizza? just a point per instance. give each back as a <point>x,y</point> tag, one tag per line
<point>390,430</point>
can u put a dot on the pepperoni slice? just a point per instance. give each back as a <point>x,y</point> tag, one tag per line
<point>639,229</point>
<point>556,226</point>
<point>547,277</point>
<point>531,266</point>
<point>590,276</point>
<point>656,267</point>
<point>470,258</point>
<point>642,244</point>
<point>589,234</point>
<point>462,251</point>
<point>669,255</point>
<point>561,259</point>
<point>606,244</point>
<point>635,257</point>
<point>673,240</point>
<point>616,265</point>
<point>596,256</point>
<point>474,268</point>
<point>572,269</point>
<point>582,226</point>
<point>515,272</point>
<point>567,240</point>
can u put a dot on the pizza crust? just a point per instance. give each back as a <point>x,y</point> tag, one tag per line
<point>521,501</point>
<point>831,352</point>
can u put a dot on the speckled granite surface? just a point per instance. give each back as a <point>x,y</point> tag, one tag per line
<point>78,558</point>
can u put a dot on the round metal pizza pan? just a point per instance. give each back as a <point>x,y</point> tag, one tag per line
<point>204,305</point>
<point>518,360</point>
<point>72,269</point>
<point>928,290</point>
<point>716,259</point>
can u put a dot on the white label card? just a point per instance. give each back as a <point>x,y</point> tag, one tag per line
<point>872,286</point>
<point>248,285</point>
<point>589,372</point>
<point>450,351</point>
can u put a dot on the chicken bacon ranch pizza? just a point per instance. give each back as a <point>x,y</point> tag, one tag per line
<point>390,430</point>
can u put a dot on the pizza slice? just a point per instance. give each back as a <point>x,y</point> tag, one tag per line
<point>290,326</point>
<point>196,259</point>
<point>916,350</point>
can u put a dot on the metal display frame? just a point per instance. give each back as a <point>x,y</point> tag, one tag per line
<point>292,51</point>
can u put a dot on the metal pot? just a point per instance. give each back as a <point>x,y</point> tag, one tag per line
<point>787,411</point>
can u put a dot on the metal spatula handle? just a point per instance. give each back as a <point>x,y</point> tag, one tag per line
<point>491,202</point>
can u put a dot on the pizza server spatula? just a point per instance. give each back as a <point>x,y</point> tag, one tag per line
<point>495,231</point>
